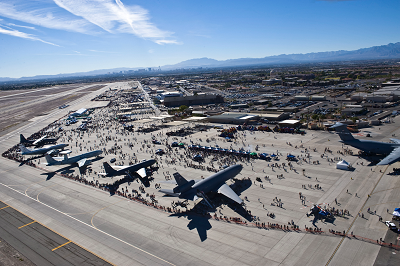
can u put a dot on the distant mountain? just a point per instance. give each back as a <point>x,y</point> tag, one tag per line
<point>389,51</point>
<point>67,75</point>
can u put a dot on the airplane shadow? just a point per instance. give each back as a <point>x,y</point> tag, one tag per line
<point>65,170</point>
<point>200,223</point>
<point>372,159</point>
<point>239,186</point>
<point>126,179</point>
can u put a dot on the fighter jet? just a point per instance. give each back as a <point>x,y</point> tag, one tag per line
<point>80,160</point>
<point>39,142</point>
<point>139,168</point>
<point>192,190</point>
<point>392,150</point>
<point>26,151</point>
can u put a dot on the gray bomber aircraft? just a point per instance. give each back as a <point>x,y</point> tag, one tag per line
<point>81,159</point>
<point>139,168</point>
<point>192,190</point>
<point>38,151</point>
<point>39,142</point>
<point>392,150</point>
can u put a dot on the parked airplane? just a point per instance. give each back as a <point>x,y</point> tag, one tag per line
<point>26,151</point>
<point>39,142</point>
<point>370,146</point>
<point>139,168</point>
<point>215,183</point>
<point>81,159</point>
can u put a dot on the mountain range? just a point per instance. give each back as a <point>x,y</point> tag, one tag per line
<point>389,51</point>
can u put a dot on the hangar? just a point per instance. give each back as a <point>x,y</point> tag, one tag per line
<point>233,118</point>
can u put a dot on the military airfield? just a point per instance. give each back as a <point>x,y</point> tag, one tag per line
<point>122,231</point>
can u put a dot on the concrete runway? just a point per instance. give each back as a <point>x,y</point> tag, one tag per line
<point>124,232</point>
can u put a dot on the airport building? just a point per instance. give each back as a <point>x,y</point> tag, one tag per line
<point>79,112</point>
<point>233,118</point>
<point>200,99</point>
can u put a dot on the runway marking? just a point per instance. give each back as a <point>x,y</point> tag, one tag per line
<point>116,238</point>
<point>4,207</point>
<point>385,190</point>
<point>91,220</point>
<point>26,224</point>
<point>354,220</point>
<point>37,196</point>
<point>32,185</point>
<point>61,245</point>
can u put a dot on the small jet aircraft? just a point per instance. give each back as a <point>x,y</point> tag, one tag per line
<point>39,142</point>
<point>192,190</point>
<point>81,160</point>
<point>392,150</point>
<point>139,168</point>
<point>38,151</point>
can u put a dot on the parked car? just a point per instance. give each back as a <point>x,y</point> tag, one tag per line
<point>391,225</point>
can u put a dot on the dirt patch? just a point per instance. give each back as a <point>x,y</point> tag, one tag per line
<point>10,256</point>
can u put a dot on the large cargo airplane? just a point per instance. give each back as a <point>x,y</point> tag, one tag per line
<point>139,168</point>
<point>392,150</point>
<point>39,142</point>
<point>215,183</point>
<point>26,151</point>
<point>81,159</point>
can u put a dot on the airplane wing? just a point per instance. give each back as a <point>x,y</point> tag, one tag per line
<point>81,162</point>
<point>142,172</point>
<point>51,151</point>
<point>169,192</point>
<point>227,191</point>
<point>38,140</point>
<point>392,157</point>
<point>396,141</point>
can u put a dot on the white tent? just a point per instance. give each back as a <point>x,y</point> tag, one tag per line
<point>343,165</point>
<point>396,212</point>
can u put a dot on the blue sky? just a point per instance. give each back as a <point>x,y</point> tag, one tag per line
<point>41,37</point>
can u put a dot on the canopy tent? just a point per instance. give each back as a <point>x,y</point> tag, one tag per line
<point>396,212</point>
<point>343,165</point>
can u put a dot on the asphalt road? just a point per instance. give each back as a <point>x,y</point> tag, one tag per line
<point>389,256</point>
<point>39,244</point>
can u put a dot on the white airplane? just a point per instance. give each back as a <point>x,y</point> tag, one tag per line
<point>81,159</point>
<point>26,151</point>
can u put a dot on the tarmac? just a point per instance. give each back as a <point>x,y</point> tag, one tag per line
<point>121,231</point>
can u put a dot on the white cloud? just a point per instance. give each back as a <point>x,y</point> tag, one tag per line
<point>43,17</point>
<point>115,17</point>
<point>23,35</point>
<point>20,26</point>
<point>166,42</point>
<point>97,51</point>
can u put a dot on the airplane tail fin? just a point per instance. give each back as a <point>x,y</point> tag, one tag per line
<point>183,184</point>
<point>180,180</point>
<point>343,132</point>
<point>108,169</point>
<point>23,148</point>
<point>49,159</point>
<point>22,139</point>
